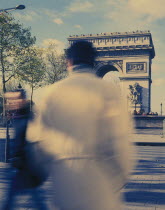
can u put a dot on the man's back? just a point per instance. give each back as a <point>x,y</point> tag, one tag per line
<point>85,127</point>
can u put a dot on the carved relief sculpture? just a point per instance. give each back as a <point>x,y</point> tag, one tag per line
<point>135,95</point>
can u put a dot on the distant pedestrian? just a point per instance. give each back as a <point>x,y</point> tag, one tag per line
<point>21,179</point>
<point>84,124</point>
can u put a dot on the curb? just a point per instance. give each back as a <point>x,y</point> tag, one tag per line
<point>149,143</point>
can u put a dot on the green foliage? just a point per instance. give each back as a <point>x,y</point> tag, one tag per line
<point>19,59</point>
<point>11,85</point>
<point>13,40</point>
<point>30,67</point>
<point>55,65</point>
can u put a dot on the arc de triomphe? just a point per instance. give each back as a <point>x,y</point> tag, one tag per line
<point>130,54</point>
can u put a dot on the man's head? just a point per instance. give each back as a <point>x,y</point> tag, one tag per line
<point>81,52</point>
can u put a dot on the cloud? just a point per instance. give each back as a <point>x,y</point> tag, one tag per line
<point>78,26</point>
<point>159,82</point>
<point>54,15</point>
<point>28,16</point>
<point>115,3</point>
<point>119,14</point>
<point>130,15</point>
<point>60,46</point>
<point>79,6</point>
<point>154,9</point>
<point>141,12</point>
<point>59,21</point>
<point>49,12</point>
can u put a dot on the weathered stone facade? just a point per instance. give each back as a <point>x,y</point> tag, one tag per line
<point>149,121</point>
<point>130,54</point>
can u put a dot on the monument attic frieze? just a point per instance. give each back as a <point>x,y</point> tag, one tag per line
<point>118,41</point>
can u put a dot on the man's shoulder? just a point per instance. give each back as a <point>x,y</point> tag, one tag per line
<point>83,82</point>
<point>54,86</point>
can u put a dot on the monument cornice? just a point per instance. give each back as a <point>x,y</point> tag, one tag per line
<point>136,78</point>
<point>126,52</point>
<point>110,35</point>
<point>126,47</point>
<point>139,40</point>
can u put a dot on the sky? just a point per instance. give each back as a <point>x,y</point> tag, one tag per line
<point>55,20</point>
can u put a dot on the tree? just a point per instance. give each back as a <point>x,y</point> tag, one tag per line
<point>11,85</point>
<point>135,95</point>
<point>31,69</point>
<point>13,39</point>
<point>55,65</point>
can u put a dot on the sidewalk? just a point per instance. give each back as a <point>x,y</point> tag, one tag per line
<point>146,187</point>
<point>26,199</point>
<point>148,137</point>
<point>144,191</point>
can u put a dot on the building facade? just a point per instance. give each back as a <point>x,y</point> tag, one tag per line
<point>130,54</point>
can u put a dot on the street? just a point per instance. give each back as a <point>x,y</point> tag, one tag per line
<point>145,188</point>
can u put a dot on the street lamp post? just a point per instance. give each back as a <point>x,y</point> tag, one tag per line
<point>161,111</point>
<point>19,7</point>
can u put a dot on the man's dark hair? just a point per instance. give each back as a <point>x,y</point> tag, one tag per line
<point>81,52</point>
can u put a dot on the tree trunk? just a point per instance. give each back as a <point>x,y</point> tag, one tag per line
<point>3,84</point>
<point>31,98</point>
<point>3,72</point>
<point>135,106</point>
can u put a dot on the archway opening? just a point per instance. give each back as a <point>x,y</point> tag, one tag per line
<point>102,71</point>
<point>109,73</point>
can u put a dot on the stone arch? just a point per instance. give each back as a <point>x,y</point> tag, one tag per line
<point>104,68</point>
<point>129,53</point>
